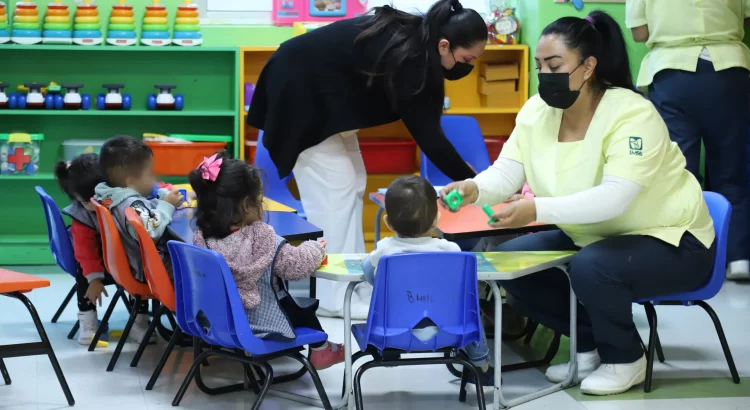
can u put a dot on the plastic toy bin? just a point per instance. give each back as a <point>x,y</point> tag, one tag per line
<point>495,146</point>
<point>19,153</point>
<point>179,158</point>
<point>389,155</point>
<point>74,148</point>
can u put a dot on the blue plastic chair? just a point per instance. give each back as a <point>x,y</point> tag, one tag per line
<point>721,211</point>
<point>274,187</point>
<point>414,289</point>
<point>209,308</point>
<point>466,135</point>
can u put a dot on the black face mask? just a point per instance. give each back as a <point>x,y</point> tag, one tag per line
<point>459,70</point>
<point>554,88</point>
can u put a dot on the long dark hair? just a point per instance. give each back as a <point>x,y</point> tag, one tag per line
<point>600,36</point>
<point>417,37</point>
<point>225,201</point>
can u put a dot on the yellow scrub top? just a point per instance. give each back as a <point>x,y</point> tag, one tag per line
<point>680,29</point>
<point>626,139</point>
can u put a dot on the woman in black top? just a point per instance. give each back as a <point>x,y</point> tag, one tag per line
<point>318,89</point>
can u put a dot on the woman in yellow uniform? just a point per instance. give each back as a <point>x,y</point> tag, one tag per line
<point>697,77</point>
<point>599,159</point>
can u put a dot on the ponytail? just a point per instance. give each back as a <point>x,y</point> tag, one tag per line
<point>597,35</point>
<point>79,179</point>
<point>417,37</point>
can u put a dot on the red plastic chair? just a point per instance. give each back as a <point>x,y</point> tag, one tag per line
<point>116,262</point>
<point>14,285</point>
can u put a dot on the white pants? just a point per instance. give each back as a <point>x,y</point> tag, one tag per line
<point>331,178</point>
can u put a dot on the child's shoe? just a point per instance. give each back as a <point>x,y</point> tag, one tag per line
<point>88,322</point>
<point>138,331</point>
<point>326,356</point>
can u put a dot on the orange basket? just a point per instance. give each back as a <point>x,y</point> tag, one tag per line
<point>178,159</point>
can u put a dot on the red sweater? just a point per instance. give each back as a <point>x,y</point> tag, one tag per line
<point>86,248</point>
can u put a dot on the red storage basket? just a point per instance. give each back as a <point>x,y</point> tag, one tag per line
<point>178,159</point>
<point>389,155</point>
<point>494,147</point>
<point>250,148</point>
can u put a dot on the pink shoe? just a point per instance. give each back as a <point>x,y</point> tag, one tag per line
<point>327,356</point>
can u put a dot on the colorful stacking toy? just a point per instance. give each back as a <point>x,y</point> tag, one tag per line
<point>26,27</point>
<point>4,30</point>
<point>57,26</point>
<point>122,25</point>
<point>87,30</point>
<point>155,25</point>
<point>186,29</point>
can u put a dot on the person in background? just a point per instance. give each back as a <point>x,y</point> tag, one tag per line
<point>697,77</point>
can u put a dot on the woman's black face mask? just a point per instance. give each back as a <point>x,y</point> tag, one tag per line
<point>459,70</point>
<point>554,89</point>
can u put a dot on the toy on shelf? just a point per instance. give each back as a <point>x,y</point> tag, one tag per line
<point>249,91</point>
<point>164,100</point>
<point>19,153</point>
<point>87,30</point>
<point>121,30</point>
<point>288,12</point>
<point>57,26</point>
<point>156,25</point>
<point>26,27</point>
<point>73,100</point>
<point>187,32</point>
<point>113,99</point>
<point>503,27</point>
<point>4,30</point>
<point>33,99</point>
<point>7,100</point>
<point>53,99</point>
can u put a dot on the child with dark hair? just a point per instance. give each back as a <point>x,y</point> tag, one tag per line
<point>230,221</point>
<point>128,168</point>
<point>78,181</point>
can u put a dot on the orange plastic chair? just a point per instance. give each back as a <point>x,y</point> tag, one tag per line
<point>116,262</point>
<point>14,285</point>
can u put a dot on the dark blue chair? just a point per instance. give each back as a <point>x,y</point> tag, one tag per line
<point>721,211</point>
<point>414,290</point>
<point>274,187</point>
<point>466,136</point>
<point>209,308</point>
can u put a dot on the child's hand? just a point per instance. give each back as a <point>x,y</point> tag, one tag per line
<point>175,198</point>
<point>95,290</point>
<point>191,196</point>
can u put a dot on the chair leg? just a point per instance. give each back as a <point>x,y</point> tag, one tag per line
<point>651,313</point>
<point>464,382</point>
<point>530,330</point>
<point>4,372</point>
<point>47,346</point>
<point>659,351</point>
<point>722,339</point>
<point>463,360</point>
<point>316,379</point>
<point>125,300</point>
<point>125,333</point>
<point>64,304</point>
<point>355,357</point>
<point>358,384</point>
<point>162,361</point>
<point>189,377</point>
<point>74,330</point>
<point>105,320</point>
<point>266,385</point>
<point>144,342</point>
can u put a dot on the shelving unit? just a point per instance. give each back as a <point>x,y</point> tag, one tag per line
<point>206,76</point>
<point>464,96</point>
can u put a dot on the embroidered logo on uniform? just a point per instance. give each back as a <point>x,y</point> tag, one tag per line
<point>636,146</point>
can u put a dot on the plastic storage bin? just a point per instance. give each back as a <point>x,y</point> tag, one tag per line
<point>19,153</point>
<point>179,158</point>
<point>389,155</point>
<point>494,147</point>
<point>74,148</point>
<point>250,147</point>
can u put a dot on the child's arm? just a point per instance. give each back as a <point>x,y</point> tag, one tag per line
<point>299,262</point>
<point>87,251</point>
<point>369,270</point>
<point>155,220</point>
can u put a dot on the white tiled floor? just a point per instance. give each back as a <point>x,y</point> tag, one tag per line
<point>689,342</point>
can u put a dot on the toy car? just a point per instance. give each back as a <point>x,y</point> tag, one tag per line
<point>7,100</point>
<point>53,100</point>
<point>113,100</point>
<point>73,100</point>
<point>165,100</point>
<point>33,98</point>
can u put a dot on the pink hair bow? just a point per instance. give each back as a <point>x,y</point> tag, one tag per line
<point>526,192</point>
<point>210,167</point>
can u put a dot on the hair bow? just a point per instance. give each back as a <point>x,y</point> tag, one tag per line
<point>210,167</point>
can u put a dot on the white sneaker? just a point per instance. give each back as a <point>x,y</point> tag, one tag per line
<point>138,331</point>
<point>738,270</point>
<point>587,363</point>
<point>615,378</point>
<point>88,322</point>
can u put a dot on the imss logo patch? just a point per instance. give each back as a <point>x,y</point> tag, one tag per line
<point>636,146</point>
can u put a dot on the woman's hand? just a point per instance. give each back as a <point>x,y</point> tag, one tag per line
<point>468,190</point>
<point>516,214</point>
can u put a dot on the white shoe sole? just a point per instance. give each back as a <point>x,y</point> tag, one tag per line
<point>560,380</point>
<point>738,276</point>
<point>639,378</point>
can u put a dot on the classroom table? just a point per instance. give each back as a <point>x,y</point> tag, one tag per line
<point>492,267</point>
<point>468,223</point>
<point>288,225</point>
<point>268,203</point>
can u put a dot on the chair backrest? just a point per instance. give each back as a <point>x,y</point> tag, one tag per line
<point>721,212</point>
<point>273,186</point>
<point>466,136</point>
<point>411,287</point>
<point>59,239</point>
<point>208,302</point>
<point>114,255</point>
<point>153,267</point>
